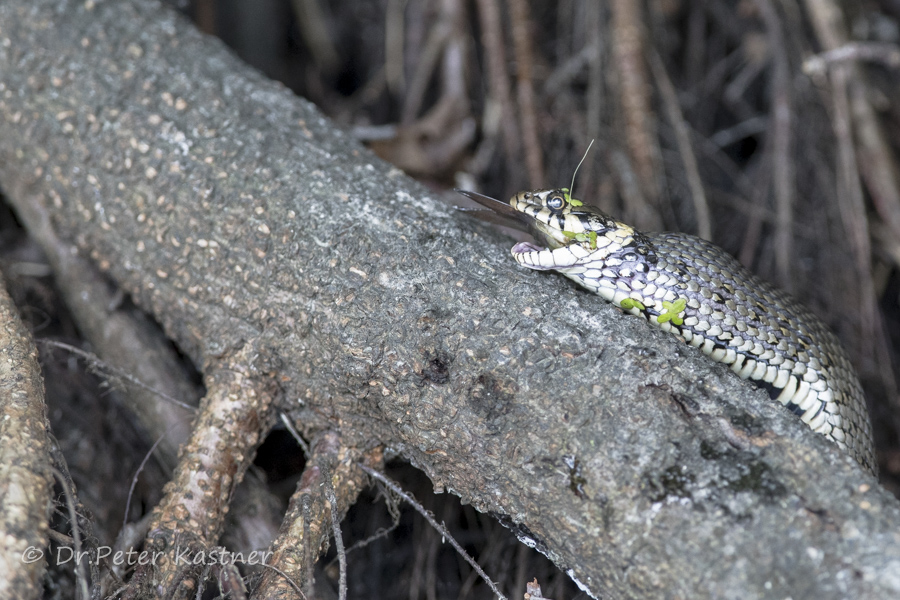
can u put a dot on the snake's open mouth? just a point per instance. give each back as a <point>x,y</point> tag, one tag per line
<point>519,220</point>
<point>523,247</point>
<point>497,206</point>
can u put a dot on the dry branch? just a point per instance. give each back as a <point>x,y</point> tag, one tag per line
<point>499,94</point>
<point>639,123</point>
<point>243,220</point>
<point>876,158</point>
<point>130,344</point>
<point>123,337</point>
<point>233,417</point>
<point>781,161</point>
<point>307,524</point>
<point>685,149</point>
<point>864,157</point>
<point>827,20</point>
<point>24,458</point>
<point>520,17</point>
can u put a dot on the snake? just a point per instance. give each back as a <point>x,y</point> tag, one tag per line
<point>687,286</point>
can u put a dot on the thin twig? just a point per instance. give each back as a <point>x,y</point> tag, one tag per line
<point>685,149</point>
<point>81,575</point>
<point>315,32</point>
<point>634,95</point>
<point>522,42</point>
<point>570,69</point>
<point>391,504</point>
<point>382,532</point>
<point>783,170</point>
<point>696,43</point>
<point>825,17</point>
<point>394,33</point>
<point>287,578</point>
<point>296,435</point>
<point>498,81</point>
<point>439,527</point>
<point>80,523</point>
<point>428,61</point>
<point>327,474</point>
<point>137,473</point>
<point>883,53</point>
<point>743,129</point>
<point>827,20</point>
<point>453,63</point>
<point>101,366</point>
<point>874,155</point>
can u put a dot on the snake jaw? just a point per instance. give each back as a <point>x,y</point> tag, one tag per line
<point>524,211</point>
<point>498,206</point>
<point>544,259</point>
<point>534,256</point>
<point>522,247</point>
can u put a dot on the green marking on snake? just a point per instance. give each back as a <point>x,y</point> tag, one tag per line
<point>570,199</point>
<point>629,303</point>
<point>590,237</point>
<point>709,300</point>
<point>672,310</point>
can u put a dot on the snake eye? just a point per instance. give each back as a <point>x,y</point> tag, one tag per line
<point>555,202</point>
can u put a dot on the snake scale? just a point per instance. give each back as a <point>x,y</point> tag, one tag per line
<point>691,288</point>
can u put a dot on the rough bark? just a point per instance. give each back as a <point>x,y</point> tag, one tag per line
<point>307,525</point>
<point>25,480</point>
<point>125,338</point>
<point>240,217</point>
<point>188,521</point>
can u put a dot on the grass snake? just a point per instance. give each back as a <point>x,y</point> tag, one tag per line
<point>691,288</point>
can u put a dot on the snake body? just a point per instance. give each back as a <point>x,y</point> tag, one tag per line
<point>691,288</point>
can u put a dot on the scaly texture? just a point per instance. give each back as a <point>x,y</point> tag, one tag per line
<point>689,287</point>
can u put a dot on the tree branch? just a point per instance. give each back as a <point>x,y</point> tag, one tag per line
<point>25,474</point>
<point>241,218</point>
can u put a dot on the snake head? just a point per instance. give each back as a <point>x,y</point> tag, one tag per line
<point>555,218</point>
<point>558,219</point>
